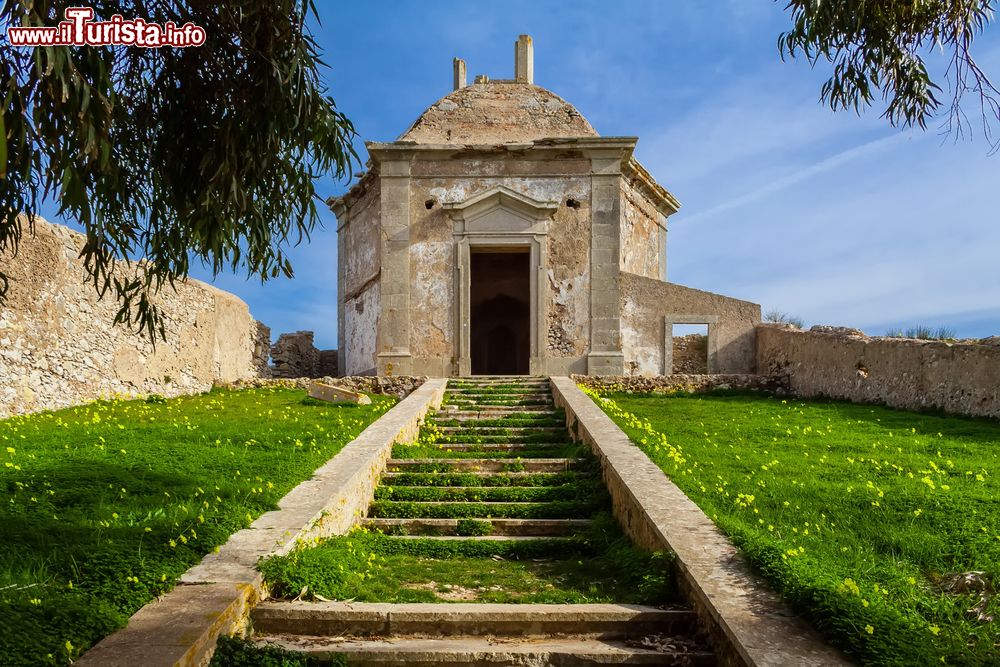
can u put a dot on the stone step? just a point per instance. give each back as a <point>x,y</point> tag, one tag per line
<point>503,430</point>
<point>502,379</point>
<point>353,619</point>
<point>501,384</point>
<point>487,538</point>
<point>478,651</point>
<point>500,390</point>
<point>495,412</point>
<point>501,527</point>
<point>390,477</point>
<point>487,465</point>
<point>465,423</point>
<point>497,446</point>
<point>510,402</point>
<point>508,413</point>
<point>475,510</point>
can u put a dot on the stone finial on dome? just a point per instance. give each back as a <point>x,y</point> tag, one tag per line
<point>524,59</point>
<point>459,74</point>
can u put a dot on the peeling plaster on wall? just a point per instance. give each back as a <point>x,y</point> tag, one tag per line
<point>362,248</point>
<point>568,312</point>
<point>431,280</point>
<point>540,188</point>
<point>641,345</point>
<point>640,225</point>
<point>568,274</point>
<point>360,239</point>
<point>360,325</point>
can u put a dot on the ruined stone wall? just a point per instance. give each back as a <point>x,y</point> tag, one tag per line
<point>646,303</point>
<point>328,366</point>
<point>262,350</point>
<point>294,355</point>
<point>565,283</point>
<point>641,237</point>
<point>962,378</point>
<point>360,293</point>
<point>58,346</point>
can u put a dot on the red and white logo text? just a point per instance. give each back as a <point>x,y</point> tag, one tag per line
<point>79,29</point>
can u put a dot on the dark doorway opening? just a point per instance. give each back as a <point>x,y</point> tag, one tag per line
<point>499,296</point>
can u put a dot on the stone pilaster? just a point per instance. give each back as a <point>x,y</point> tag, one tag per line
<point>605,357</point>
<point>394,324</point>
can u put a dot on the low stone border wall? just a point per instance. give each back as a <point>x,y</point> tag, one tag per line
<point>749,623</point>
<point>679,382</point>
<point>399,386</point>
<point>215,596</point>
<point>960,377</point>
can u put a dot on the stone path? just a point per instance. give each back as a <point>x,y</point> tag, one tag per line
<point>468,439</point>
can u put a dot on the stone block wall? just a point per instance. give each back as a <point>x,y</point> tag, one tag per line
<point>962,377</point>
<point>58,346</point>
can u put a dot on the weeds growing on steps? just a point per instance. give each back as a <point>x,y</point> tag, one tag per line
<point>594,564</point>
<point>236,652</point>
<point>600,565</point>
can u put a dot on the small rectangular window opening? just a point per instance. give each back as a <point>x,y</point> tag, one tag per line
<point>690,349</point>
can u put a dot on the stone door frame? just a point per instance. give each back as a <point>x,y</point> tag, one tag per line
<point>504,219</point>
<point>670,319</point>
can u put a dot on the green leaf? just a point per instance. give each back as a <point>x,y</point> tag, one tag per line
<point>3,147</point>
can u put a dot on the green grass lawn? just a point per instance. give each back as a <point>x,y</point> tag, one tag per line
<point>108,503</point>
<point>861,516</point>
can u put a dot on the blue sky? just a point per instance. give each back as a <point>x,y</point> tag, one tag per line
<point>835,218</point>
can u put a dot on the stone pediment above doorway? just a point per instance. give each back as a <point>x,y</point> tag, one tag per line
<point>501,210</point>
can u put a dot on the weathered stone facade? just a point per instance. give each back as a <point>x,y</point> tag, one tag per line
<point>58,346</point>
<point>834,362</point>
<point>500,231</point>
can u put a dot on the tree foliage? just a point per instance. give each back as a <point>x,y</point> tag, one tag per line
<point>176,155</point>
<point>879,46</point>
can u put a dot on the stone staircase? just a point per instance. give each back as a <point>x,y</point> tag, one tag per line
<point>506,433</point>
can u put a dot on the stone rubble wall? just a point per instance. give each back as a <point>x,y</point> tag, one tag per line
<point>294,355</point>
<point>833,362</point>
<point>644,384</point>
<point>690,354</point>
<point>58,347</point>
<point>262,350</point>
<point>328,365</point>
<point>399,386</point>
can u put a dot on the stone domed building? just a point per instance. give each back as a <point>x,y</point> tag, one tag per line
<point>501,234</point>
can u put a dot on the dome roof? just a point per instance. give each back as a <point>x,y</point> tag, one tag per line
<point>498,112</point>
